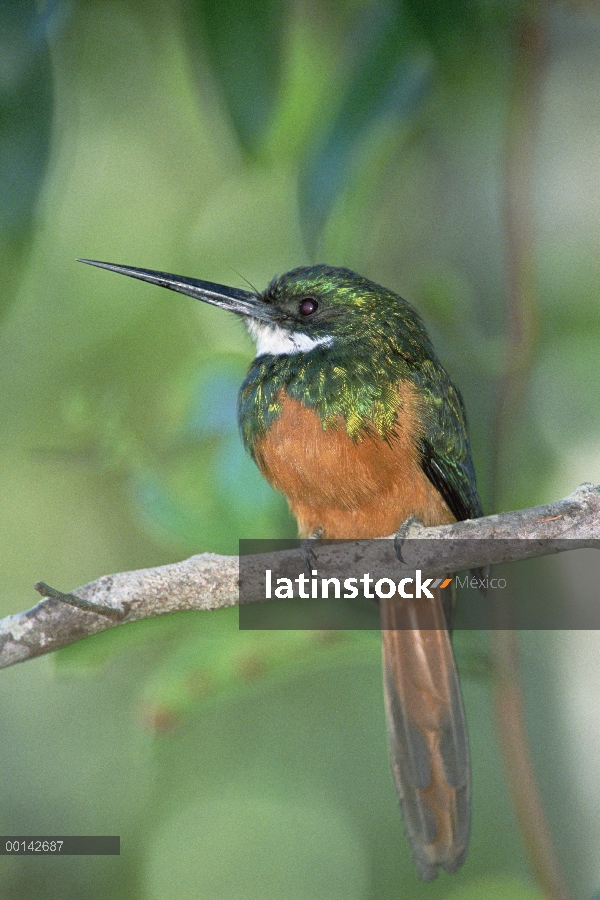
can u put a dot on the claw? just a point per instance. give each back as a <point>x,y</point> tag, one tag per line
<point>400,535</point>
<point>310,560</point>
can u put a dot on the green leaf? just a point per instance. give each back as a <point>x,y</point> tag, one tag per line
<point>388,80</point>
<point>242,40</point>
<point>26,108</point>
<point>451,27</point>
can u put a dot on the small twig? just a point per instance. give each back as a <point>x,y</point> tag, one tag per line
<point>88,606</point>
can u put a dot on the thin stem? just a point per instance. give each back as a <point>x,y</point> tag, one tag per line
<point>519,217</point>
<point>521,334</point>
<point>510,716</point>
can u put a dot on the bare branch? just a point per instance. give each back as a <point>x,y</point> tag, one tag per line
<point>209,581</point>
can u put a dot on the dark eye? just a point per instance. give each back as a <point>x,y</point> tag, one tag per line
<point>308,306</point>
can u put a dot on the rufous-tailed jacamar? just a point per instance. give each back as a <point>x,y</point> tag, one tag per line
<point>347,411</point>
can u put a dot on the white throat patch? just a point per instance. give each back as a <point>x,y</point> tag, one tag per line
<point>275,341</point>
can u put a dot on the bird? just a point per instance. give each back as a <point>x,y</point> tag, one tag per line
<point>347,411</point>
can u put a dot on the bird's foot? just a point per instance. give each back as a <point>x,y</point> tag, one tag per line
<point>400,535</point>
<point>310,560</point>
<point>99,609</point>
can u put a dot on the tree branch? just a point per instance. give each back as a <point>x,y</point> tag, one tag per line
<point>209,581</point>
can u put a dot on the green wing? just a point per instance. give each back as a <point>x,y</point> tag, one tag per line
<point>445,450</point>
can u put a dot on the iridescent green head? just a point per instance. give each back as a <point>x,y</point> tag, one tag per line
<point>334,306</point>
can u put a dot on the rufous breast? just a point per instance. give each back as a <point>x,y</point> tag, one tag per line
<point>349,488</point>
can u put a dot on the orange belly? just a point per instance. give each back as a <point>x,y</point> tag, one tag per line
<point>349,489</point>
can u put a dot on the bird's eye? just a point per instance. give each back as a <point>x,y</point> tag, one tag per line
<point>308,306</point>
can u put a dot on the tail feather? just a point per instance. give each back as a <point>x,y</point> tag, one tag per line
<point>427,732</point>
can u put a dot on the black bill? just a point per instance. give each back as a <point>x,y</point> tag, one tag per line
<point>243,303</point>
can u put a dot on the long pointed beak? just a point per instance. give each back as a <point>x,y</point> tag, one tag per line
<point>243,303</point>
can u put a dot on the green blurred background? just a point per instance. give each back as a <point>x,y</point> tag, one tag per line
<point>233,140</point>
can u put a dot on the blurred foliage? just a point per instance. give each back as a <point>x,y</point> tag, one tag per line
<point>385,80</point>
<point>25,110</point>
<point>25,125</point>
<point>243,44</point>
<point>210,139</point>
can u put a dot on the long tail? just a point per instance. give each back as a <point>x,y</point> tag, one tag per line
<point>427,732</point>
